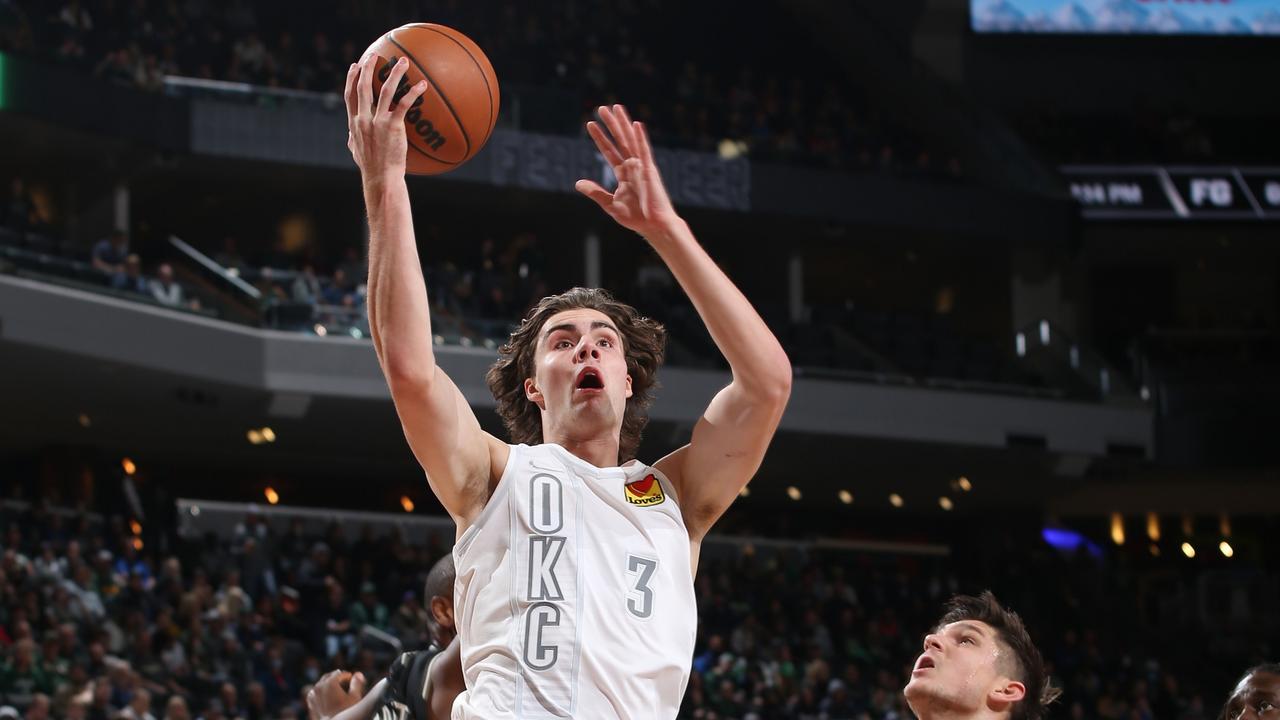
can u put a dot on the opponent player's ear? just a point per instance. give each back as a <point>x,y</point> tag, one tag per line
<point>1008,692</point>
<point>532,392</point>
<point>628,385</point>
<point>442,611</point>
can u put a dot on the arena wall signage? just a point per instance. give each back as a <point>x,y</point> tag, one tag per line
<point>1127,17</point>
<point>1175,193</point>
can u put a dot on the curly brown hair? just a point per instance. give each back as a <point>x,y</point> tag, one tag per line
<point>644,342</point>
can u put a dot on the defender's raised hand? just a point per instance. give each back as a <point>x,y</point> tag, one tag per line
<point>640,202</point>
<point>375,129</point>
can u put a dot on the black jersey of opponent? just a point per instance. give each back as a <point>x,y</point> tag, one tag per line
<point>404,697</point>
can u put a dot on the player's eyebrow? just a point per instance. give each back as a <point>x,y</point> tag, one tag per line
<point>975,629</point>
<point>595,325</point>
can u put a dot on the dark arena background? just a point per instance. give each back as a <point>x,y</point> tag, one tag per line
<point>1024,258</point>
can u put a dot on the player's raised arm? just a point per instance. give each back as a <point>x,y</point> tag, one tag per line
<point>730,438</point>
<point>443,432</point>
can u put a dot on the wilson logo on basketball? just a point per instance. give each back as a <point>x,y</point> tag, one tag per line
<point>644,492</point>
<point>425,129</point>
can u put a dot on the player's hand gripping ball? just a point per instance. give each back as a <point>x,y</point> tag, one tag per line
<point>451,117</point>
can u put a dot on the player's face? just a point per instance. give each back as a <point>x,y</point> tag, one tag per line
<point>580,372</point>
<point>1257,697</point>
<point>959,671</point>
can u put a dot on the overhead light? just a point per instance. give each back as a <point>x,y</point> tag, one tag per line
<point>273,497</point>
<point>1226,549</point>
<point>84,420</point>
<point>137,544</point>
<point>793,492</point>
<point>895,500</point>
<point>255,436</point>
<point>1144,392</point>
<point>1020,344</point>
<point>1155,550</point>
<point>963,483</point>
<point>268,434</point>
<point>129,467</point>
<point>406,503</point>
<point>320,330</point>
<point>135,527</point>
<point>1153,527</point>
<point>846,497</point>
<point>1188,550</point>
<point>945,503</point>
<point>1117,528</point>
<point>1044,332</point>
<point>745,491</point>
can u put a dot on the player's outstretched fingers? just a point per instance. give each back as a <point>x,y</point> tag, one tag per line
<point>627,128</point>
<point>591,189</point>
<point>349,93</point>
<point>391,85</point>
<point>364,84</point>
<point>604,144</point>
<point>402,107</point>
<point>615,130</point>
<point>642,139</point>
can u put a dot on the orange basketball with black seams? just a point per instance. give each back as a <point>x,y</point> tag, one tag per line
<point>454,118</point>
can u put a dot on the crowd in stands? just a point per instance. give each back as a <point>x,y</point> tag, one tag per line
<point>103,622</point>
<point>769,94</point>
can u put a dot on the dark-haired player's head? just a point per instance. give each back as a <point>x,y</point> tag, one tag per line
<point>541,382</point>
<point>438,594</point>
<point>979,661</point>
<point>1256,696</point>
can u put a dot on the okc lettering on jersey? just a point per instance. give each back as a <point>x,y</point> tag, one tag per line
<point>546,518</point>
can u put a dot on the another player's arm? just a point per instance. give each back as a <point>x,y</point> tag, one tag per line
<point>457,455</point>
<point>730,439</point>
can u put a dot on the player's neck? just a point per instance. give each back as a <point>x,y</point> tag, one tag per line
<point>958,714</point>
<point>599,451</point>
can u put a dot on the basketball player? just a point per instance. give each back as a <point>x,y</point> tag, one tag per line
<point>575,568</point>
<point>979,662</point>
<point>1257,695</point>
<point>420,685</point>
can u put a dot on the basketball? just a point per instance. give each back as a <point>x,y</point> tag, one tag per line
<point>454,118</point>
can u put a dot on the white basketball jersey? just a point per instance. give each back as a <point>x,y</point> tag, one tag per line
<point>574,593</point>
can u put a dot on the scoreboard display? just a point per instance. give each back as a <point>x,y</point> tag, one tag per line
<point>1127,17</point>
<point>1175,193</point>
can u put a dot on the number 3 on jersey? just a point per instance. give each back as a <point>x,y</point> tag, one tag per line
<point>640,596</point>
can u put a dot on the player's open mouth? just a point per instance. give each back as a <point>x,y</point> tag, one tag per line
<point>589,380</point>
<point>924,663</point>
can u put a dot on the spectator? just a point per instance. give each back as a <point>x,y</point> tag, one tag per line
<point>23,676</point>
<point>165,289</point>
<point>131,279</point>
<point>337,290</point>
<point>139,707</point>
<point>39,708</point>
<point>306,286</point>
<point>110,253</point>
<point>176,709</point>
<point>367,610</point>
